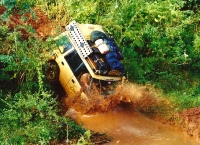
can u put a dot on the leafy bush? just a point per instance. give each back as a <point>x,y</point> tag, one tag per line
<point>29,112</point>
<point>34,118</point>
<point>29,118</point>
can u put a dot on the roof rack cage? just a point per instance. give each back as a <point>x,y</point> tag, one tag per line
<point>79,39</point>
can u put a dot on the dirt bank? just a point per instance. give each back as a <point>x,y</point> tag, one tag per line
<point>42,24</point>
<point>191,122</point>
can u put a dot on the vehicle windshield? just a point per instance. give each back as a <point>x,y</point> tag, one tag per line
<point>63,44</point>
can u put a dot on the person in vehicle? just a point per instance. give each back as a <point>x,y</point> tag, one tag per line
<point>85,80</point>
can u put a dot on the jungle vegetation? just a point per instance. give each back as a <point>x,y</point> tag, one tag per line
<point>160,41</point>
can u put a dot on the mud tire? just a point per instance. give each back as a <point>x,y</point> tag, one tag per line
<point>52,71</point>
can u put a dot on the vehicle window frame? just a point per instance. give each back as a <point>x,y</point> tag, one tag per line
<point>75,67</point>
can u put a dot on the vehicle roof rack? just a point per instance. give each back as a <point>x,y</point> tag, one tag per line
<point>79,39</point>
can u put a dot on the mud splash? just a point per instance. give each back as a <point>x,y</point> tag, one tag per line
<point>139,97</point>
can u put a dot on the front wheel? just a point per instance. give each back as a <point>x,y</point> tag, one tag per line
<point>52,71</point>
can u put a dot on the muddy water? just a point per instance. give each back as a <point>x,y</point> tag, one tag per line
<point>116,116</point>
<point>127,127</point>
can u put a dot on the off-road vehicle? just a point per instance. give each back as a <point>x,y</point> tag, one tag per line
<point>76,55</point>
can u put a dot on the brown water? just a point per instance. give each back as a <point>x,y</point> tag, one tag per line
<point>127,127</point>
<point>116,116</point>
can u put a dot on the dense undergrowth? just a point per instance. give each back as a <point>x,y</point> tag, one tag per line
<point>160,41</point>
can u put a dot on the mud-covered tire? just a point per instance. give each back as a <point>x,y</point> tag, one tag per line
<point>52,71</point>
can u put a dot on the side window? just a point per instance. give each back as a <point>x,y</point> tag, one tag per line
<point>74,62</point>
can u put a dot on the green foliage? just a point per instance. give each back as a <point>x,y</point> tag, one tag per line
<point>72,130</point>
<point>184,100</point>
<point>9,4</point>
<point>33,118</point>
<point>197,43</point>
<point>85,139</point>
<point>29,113</point>
<point>29,118</point>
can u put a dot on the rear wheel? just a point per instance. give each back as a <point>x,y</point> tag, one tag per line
<point>52,71</point>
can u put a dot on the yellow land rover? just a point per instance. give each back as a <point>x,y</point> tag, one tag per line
<point>77,55</point>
